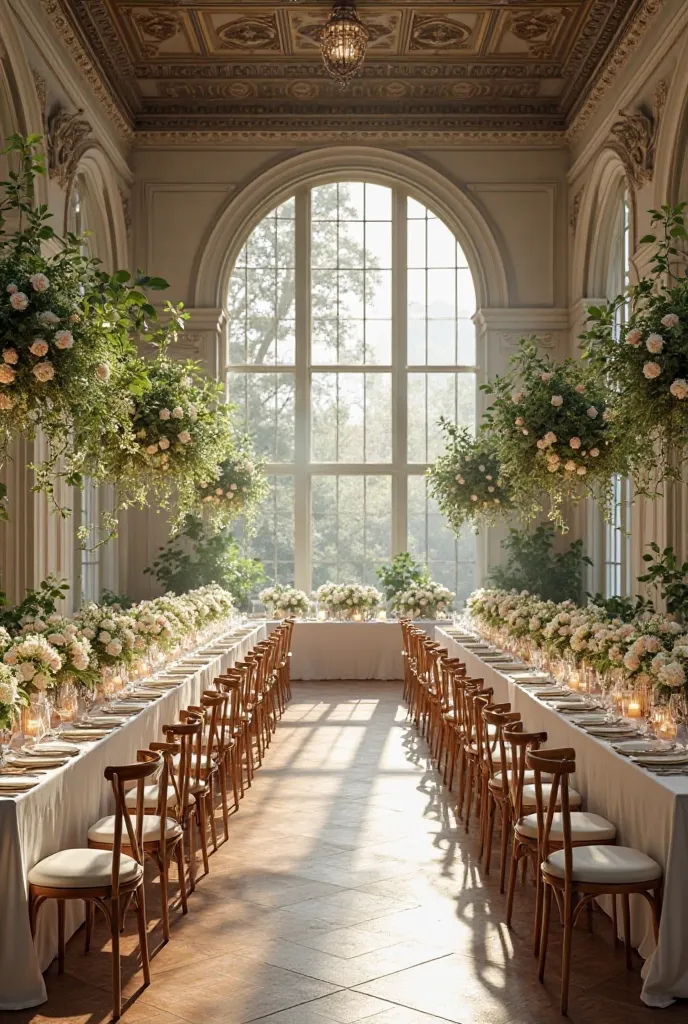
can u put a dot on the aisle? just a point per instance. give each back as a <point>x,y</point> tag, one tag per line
<point>346,894</point>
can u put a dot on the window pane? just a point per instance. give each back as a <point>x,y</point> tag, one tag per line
<point>265,408</point>
<point>351,418</point>
<point>351,527</point>
<point>273,540</point>
<point>431,395</point>
<point>451,561</point>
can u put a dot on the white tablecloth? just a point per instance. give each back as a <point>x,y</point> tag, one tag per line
<point>57,814</point>
<point>348,650</point>
<point>650,813</point>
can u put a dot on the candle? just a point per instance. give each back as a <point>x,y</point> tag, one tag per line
<point>633,709</point>
<point>356,616</point>
<point>322,615</point>
<point>382,616</point>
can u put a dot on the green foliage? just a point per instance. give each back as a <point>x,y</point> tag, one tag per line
<point>665,572</point>
<point>109,599</point>
<point>37,604</point>
<point>239,488</point>
<point>403,572</point>
<point>198,555</point>
<point>625,608</point>
<point>466,480</point>
<point>531,564</point>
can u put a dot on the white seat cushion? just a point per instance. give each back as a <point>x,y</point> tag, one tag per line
<point>150,797</point>
<point>528,777</point>
<point>585,828</point>
<point>104,830</point>
<point>83,869</point>
<point>530,800</point>
<point>604,865</point>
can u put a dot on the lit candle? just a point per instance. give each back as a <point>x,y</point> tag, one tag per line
<point>633,709</point>
<point>382,615</point>
<point>356,616</point>
<point>322,615</point>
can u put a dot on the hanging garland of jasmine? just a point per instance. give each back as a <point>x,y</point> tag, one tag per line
<point>467,482</point>
<point>551,424</point>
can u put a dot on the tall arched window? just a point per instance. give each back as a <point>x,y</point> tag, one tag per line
<point>617,552</point>
<point>350,334</point>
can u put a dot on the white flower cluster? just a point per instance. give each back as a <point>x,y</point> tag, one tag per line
<point>346,600</point>
<point>9,694</point>
<point>282,601</point>
<point>112,636</point>
<point>655,344</point>
<point>36,660</point>
<point>424,601</point>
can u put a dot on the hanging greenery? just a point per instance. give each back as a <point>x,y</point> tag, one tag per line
<point>639,344</point>
<point>240,487</point>
<point>551,426</point>
<point>467,481</point>
<point>65,327</point>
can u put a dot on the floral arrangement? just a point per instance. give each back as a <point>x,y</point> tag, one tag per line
<point>36,661</point>
<point>348,600</point>
<point>11,697</point>
<point>466,480</point>
<point>550,423</point>
<point>112,636</point>
<point>639,343</point>
<point>239,488</point>
<point>281,601</point>
<point>79,664</point>
<point>424,601</point>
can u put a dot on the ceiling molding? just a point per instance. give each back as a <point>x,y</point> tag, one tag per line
<point>289,139</point>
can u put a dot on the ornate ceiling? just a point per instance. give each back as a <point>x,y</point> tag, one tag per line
<point>212,65</point>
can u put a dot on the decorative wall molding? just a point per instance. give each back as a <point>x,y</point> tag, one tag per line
<point>288,139</point>
<point>549,340</point>
<point>634,137</point>
<point>66,135</point>
<point>41,92</point>
<point>126,207</point>
<point>575,210</point>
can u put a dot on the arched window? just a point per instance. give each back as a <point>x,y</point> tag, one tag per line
<point>350,334</point>
<point>617,551</point>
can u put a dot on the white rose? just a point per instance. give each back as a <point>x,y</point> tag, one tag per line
<point>10,355</point>
<point>592,412</point>
<point>152,449</point>
<point>670,320</point>
<point>7,374</point>
<point>575,442</point>
<point>19,301</point>
<point>594,452</point>
<point>11,289</point>
<point>557,401</point>
<point>655,344</point>
<point>26,671</point>
<point>41,680</point>
<point>634,337</point>
<point>184,436</point>
<point>178,412</point>
<point>679,388</point>
<point>39,282</point>
<point>44,372</point>
<point>652,370</point>
<point>48,318</point>
<point>114,648</point>
<point>164,443</point>
<point>39,348</point>
<point>164,414</point>
<point>104,637</point>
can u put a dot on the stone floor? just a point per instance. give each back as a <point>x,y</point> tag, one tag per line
<point>347,893</point>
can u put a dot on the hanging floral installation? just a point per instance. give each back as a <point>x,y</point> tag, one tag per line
<point>240,486</point>
<point>467,482</point>
<point>639,344</point>
<point>551,424</point>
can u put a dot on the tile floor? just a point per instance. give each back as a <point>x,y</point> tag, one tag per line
<point>346,893</point>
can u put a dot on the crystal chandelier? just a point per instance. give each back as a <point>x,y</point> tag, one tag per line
<point>343,41</point>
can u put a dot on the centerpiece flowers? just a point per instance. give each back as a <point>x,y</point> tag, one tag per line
<point>112,636</point>
<point>349,600</point>
<point>36,660</point>
<point>428,600</point>
<point>467,481</point>
<point>551,424</point>
<point>11,697</point>
<point>239,488</point>
<point>282,601</point>
<point>639,344</point>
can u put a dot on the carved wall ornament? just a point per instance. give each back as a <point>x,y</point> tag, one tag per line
<point>509,340</point>
<point>41,93</point>
<point>126,207</point>
<point>310,32</point>
<point>65,137</point>
<point>575,210</point>
<point>634,138</point>
<point>435,33</point>
<point>250,34</point>
<point>160,27</point>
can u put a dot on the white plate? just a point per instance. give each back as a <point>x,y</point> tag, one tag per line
<point>85,735</point>
<point>648,747</point>
<point>104,721</point>
<point>28,761</point>
<point>610,730</point>
<point>668,759</point>
<point>17,782</point>
<point>52,747</point>
<point>571,705</point>
<point>589,718</point>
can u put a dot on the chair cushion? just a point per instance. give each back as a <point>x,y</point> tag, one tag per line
<point>585,828</point>
<point>530,800</point>
<point>604,865</point>
<point>528,778</point>
<point>150,797</point>
<point>104,830</point>
<point>83,869</point>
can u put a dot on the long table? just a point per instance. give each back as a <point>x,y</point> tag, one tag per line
<point>348,650</point>
<point>649,811</point>
<point>57,814</point>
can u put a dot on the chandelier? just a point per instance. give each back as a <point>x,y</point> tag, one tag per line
<point>343,41</point>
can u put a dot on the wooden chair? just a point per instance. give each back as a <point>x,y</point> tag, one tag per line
<point>498,761</point>
<point>161,839</point>
<point>191,810</point>
<point>105,878</point>
<point>578,874</point>
<point>205,763</point>
<point>470,769</point>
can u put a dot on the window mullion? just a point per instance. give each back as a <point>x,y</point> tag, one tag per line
<point>399,375</point>
<point>302,489</point>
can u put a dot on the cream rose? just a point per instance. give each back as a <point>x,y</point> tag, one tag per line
<point>7,374</point>
<point>44,372</point>
<point>557,401</point>
<point>592,412</point>
<point>64,339</point>
<point>679,388</point>
<point>634,337</point>
<point>652,370</point>
<point>19,301</point>
<point>184,436</point>
<point>39,282</point>
<point>670,320</point>
<point>39,348</point>
<point>575,442</point>
<point>655,344</point>
<point>164,414</point>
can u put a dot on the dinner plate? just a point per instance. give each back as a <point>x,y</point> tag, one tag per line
<point>589,718</point>
<point>645,747</point>
<point>571,705</point>
<point>52,747</point>
<point>610,730</point>
<point>29,761</point>
<point>672,757</point>
<point>142,693</point>
<point>18,782</point>
<point>552,693</point>
<point>104,721</point>
<point>85,735</point>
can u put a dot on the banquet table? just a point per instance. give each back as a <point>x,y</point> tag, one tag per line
<point>649,811</point>
<point>348,650</point>
<point>57,813</point>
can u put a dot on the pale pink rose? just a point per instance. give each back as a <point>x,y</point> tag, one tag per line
<point>178,412</point>
<point>546,377</point>
<point>570,466</point>
<point>519,421</point>
<point>152,449</point>
<point>581,471</point>
<point>634,337</point>
<point>525,432</point>
<point>19,301</point>
<point>580,388</point>
<point>12,289</point>
<point>103,372</point>
<point>44,372</point>
<point>541,444</point>
<point>6,402</point>
<point>575,442</point>
<point>594,452</point>
<point>557,401</point>
<point>550,437</point>
<point>679,388</point>
<point>655,344</point>
<point>670,320</point>
<point>164,444</point>
<point>10,355</point>
<point>592,412</point>
<point>516,398</point>
<point>474,497</point>
<point>7,374</point>
<point>64,339</point>
<point>219,491</point>
<point>652,370</point>
<point>184,436</point>
<point>164,414</point>
<point>39,282</point>
<point>39,348</point>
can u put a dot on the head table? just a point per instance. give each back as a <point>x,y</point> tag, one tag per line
<point>649,811</point>
<point>56,815</point>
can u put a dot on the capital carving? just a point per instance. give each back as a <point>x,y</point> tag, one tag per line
<point>549,340</point>
<point>126,207</point>
<point>634,138</point>
<point>575,210</point>
<point>41,93</point>
<point>66,134</point>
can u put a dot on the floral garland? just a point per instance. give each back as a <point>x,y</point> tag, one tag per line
<point>466,481</point>
<point>240,487</point>
<point>645,359</point>
<point>37,662</point>
<point>346,600</point>
<point>11,696</point>
<point>424,601</point>
<point>112,636</point>
<point>550,423</point>
<point>281,601</point>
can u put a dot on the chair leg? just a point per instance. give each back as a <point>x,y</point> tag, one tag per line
<point>163,866</point>
<point>191,830</point>
<point>626,911</point>
<point>203,831</point>
<point>566,951</point>
<point>513,871</point>
<point>233,773</point>
<point>60,936</point>
<point>211,810</point>
<point>116,965</point>
<point>89,910</point>
<point>504,845</point>
<point>223,793</point>
<point>489,831</point>
<point>143,932</point>
<point>179,854</point>
<point>469,793</point>
<point>537,928</point>
<point>544,938</point>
